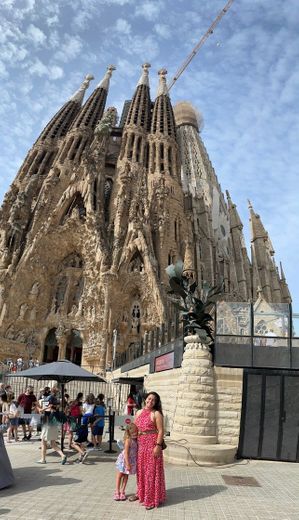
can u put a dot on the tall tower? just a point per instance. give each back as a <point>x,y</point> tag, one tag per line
<point>265,276</point>
<point>170,227</point>
<point>20,202</point>
<point>205,204</point>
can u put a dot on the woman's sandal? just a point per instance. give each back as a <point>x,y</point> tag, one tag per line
<point>149,507</point>
<point>133,498</point>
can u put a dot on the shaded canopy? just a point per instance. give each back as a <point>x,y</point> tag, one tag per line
<point>61,371</point>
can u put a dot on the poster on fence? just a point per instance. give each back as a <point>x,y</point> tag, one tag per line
<point>121,421</point>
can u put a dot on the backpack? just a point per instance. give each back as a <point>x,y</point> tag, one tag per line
<point>75,410</point>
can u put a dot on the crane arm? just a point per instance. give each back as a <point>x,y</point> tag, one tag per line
<point>200,43</point>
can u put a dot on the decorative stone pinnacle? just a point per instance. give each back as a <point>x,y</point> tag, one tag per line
<point>105,81</point>
<point>162,88</point>
<point>144,76</point>
<point>79,94</point>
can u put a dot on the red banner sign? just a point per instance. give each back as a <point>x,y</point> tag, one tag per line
<point>164,362</point>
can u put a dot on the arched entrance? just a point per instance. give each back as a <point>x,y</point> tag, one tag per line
<point>74,347</point>
<point>50,348</point>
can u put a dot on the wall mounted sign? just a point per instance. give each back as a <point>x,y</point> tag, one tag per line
<point>164,362</point>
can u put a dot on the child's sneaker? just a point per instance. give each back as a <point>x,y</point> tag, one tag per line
<point>116,496</point>
<point>122,496</point>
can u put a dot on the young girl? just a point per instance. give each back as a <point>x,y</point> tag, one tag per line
<point>126,462</point>
<point>13,418</point>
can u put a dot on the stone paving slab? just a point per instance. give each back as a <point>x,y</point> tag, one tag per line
<point>75,491</point>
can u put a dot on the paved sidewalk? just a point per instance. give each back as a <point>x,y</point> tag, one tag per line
<point>75,491</point>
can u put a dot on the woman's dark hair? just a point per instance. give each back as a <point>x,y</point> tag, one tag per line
<point>79,396</point>
<point>158,405</point>
<point>101,397</point>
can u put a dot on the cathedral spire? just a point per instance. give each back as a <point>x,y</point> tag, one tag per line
<point>257,228</point>
<point>144,79</point>
<point>104,84</point>
<point>93,109</point>
<point>79,94</point>
<point>81,131</point>
<point>163,145</point>
<point>162,88</point>
<point>137,125</point>
<point>235,220</point>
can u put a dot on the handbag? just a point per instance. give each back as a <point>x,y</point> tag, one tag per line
<point>163,445</point>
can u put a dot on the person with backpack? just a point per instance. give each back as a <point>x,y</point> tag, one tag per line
<point>74,415</point>
<point>97,426</point>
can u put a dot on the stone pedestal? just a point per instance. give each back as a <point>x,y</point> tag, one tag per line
<point>195,416</point>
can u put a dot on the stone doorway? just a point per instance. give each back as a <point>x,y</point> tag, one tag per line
<point>74,347</point>
<point>51,348</point>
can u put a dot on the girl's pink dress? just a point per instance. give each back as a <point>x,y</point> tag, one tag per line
<point>150,470</point>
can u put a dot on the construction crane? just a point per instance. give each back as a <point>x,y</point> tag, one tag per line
<point>200,43</point>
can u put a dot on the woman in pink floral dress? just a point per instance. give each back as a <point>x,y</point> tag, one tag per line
<point>150,467</point>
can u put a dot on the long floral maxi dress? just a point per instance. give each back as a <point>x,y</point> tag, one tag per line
<point>150,470</point>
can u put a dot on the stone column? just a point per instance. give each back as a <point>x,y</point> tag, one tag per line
<point>195,416</point>
<point>193,437</point>
<point>61,336</point>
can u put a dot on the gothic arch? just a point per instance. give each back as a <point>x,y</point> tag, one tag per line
<point>76,204</point>
<point>136,264</point>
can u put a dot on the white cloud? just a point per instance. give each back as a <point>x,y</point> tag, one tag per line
<point>162,30</point>
<point>149,10</point>
<point>54,39</point>
<point>52,20</point>
<point>122,26</point>
<point>36,35</point>
<point>38,68</point>
<point>70,49</point>
<point>3,71</point>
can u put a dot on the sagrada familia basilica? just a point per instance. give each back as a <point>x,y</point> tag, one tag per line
<point>96,213</point>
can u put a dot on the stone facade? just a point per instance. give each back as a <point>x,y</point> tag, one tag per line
<point>97,212</point>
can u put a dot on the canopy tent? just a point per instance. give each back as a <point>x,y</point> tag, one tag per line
<point>61,371</point>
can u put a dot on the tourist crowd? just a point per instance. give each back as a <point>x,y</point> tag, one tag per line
<point>81,422</point>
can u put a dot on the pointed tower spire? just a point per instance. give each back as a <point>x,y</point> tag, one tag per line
<point>79,94</point>
<point>284,287</point>
<point>134,142</point>
<point>163,154</point>
<point>162,87</point>
<point>81,131</point>
<point>61,122</point>
<point>104,84</point>
<point>235,220</point>
<point>257,228</point>
<point>144,79</point>
<point>93,109</point>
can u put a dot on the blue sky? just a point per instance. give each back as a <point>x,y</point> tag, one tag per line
<point>245,81</point>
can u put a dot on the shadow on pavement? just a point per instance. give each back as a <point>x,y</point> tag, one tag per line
<point>4,511</point>
<point>29,479</point>
<point>187,493</point>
